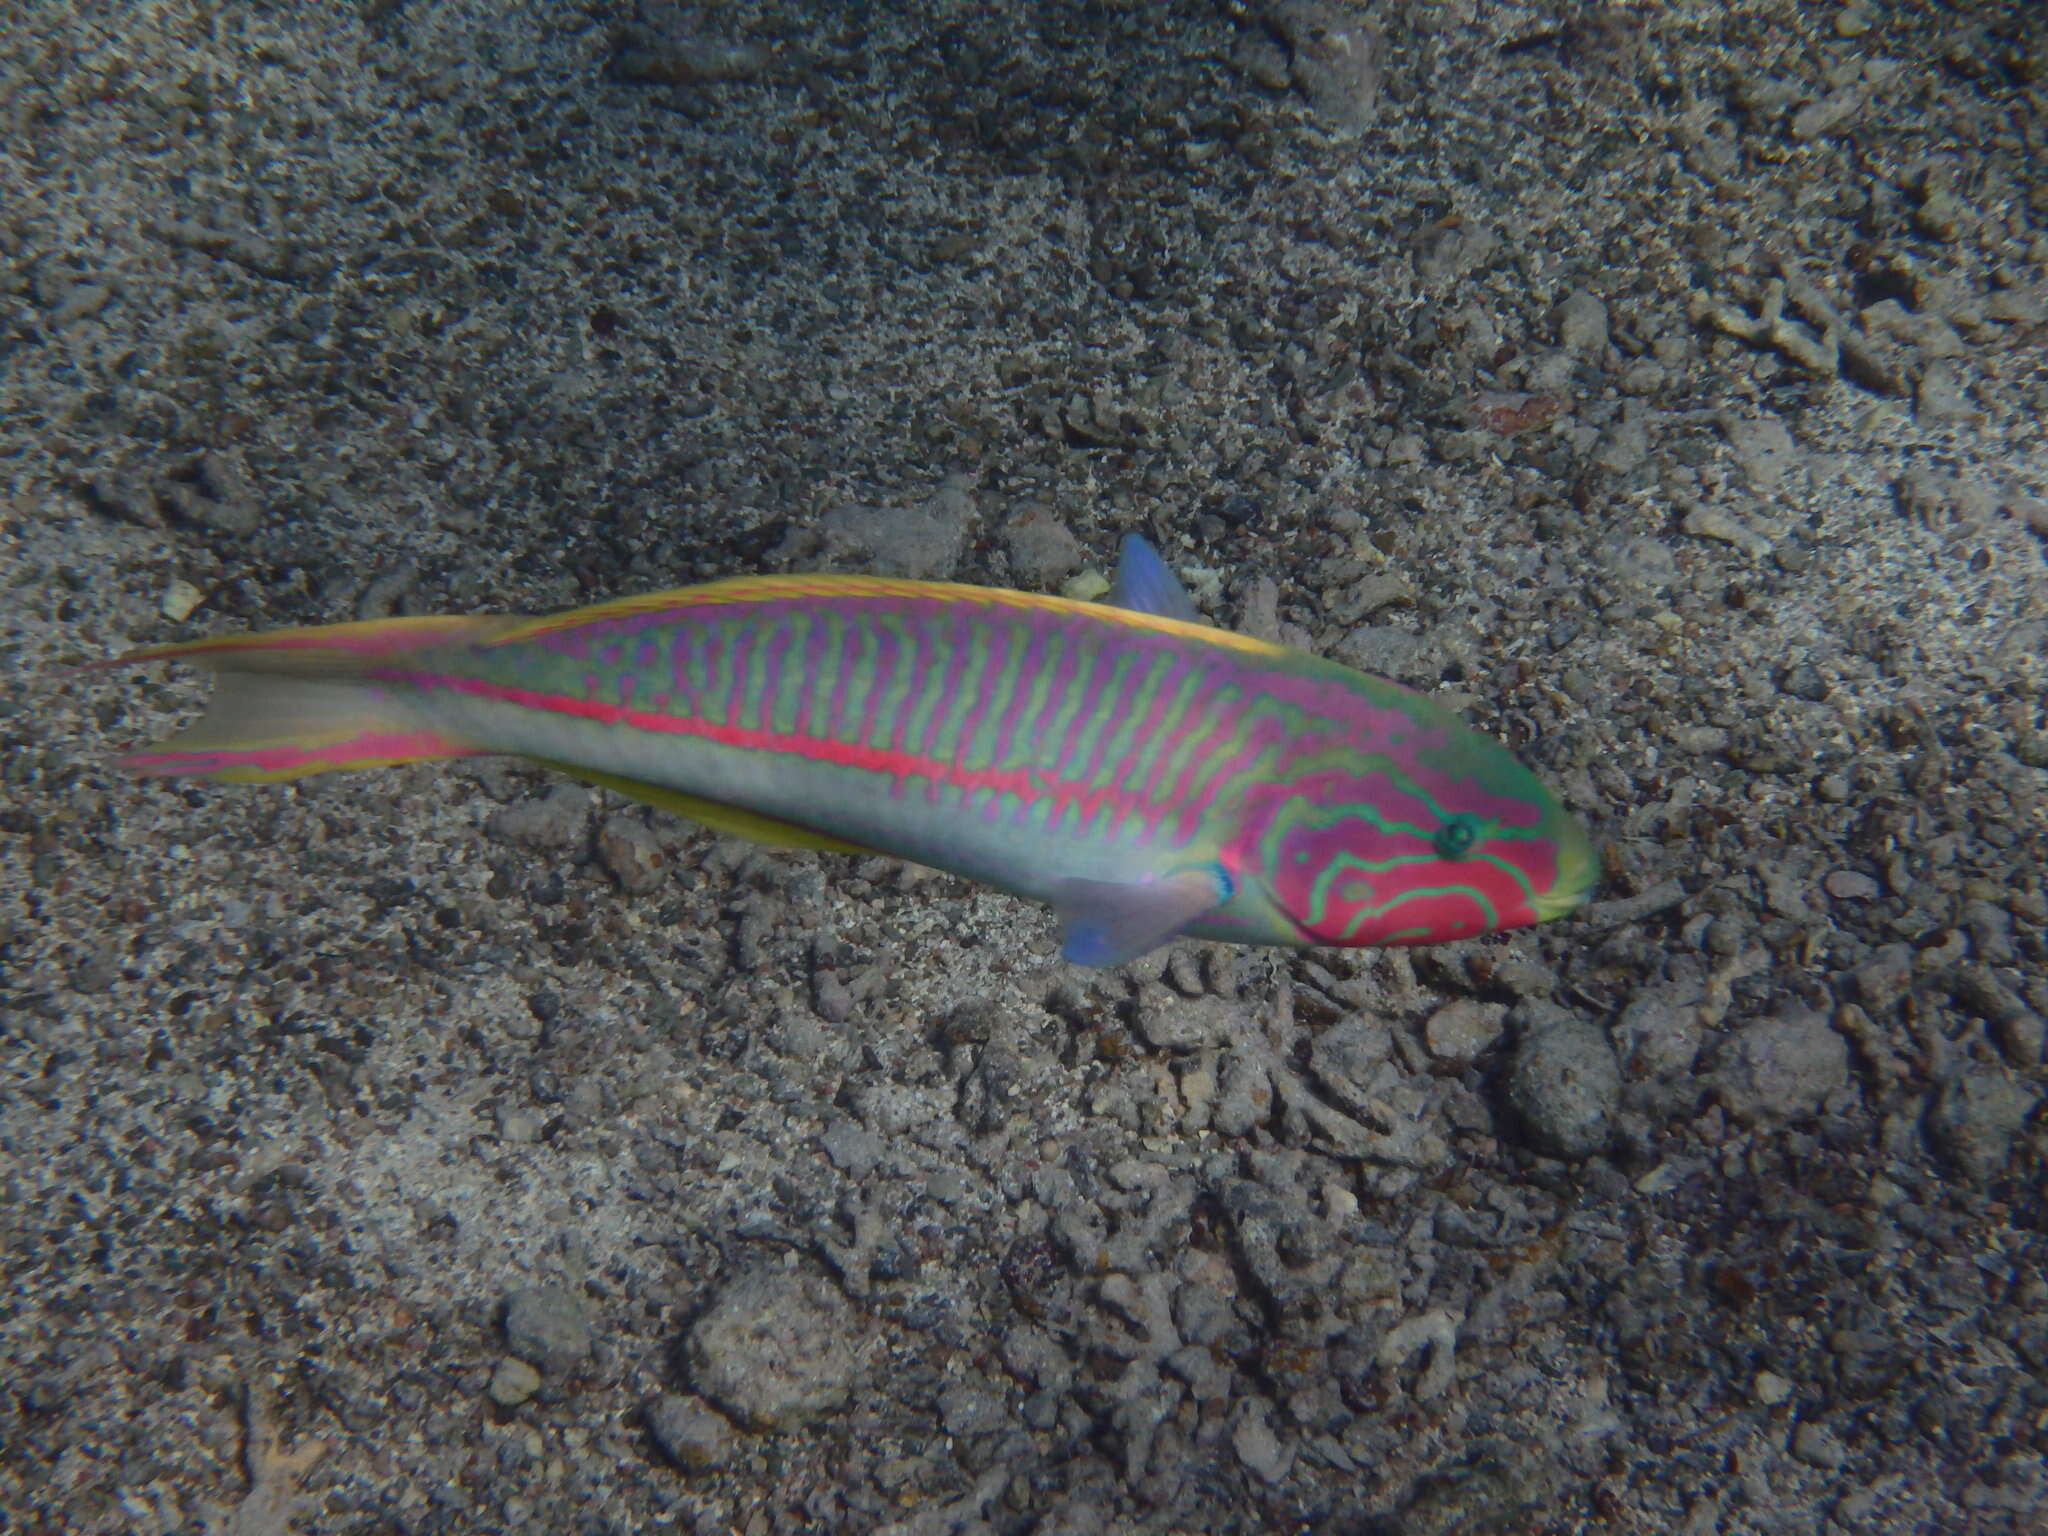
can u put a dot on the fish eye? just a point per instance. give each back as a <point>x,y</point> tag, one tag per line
<point>1454,839</point>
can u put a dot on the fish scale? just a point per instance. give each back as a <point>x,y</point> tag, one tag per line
<point>1145,774</point>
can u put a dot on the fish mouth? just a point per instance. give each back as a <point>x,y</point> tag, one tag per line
<point>1578,871</point>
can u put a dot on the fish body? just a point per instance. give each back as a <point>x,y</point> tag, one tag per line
<point>1145,774</point>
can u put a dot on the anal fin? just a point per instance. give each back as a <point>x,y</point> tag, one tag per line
<point>716,814</point>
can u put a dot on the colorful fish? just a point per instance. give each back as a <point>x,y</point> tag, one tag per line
<point>1145,774</point>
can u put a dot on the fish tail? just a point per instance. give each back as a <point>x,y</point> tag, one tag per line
<point>294,702</point>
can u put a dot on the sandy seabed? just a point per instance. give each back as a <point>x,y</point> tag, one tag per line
<point>445,1149</point>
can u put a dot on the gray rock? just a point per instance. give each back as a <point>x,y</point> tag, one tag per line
<point>520,1126</point>
<point>557,822</point>
<point>923,540</point>
<point>1333,59</point>
<point>1449,250</point>
<point>1582,323</point>
<point>1851,885</point>
<point>2018,1030</point>
<point>1245,1095</point>
<point>650,57</point>
<point>126,497</point>
<point>1939,397</point>
<point>1565,1084</point>
<point>1818,119</point>
<point>1170,1022</point>
<point>1762,446</point>
<point>230,504</point>
<point>831,996</point>
<point>548,1326</point>
<point>1883,980</point>
<point>2018,306</point>
<point>1941,214</point>
<point>1350,1058</point>
<point>234,518</point>
<point>1974,1119</point>
<point>775,1349</point>
<point>97,971</point>
<point>1623,447</point>
<point>1782,1068</point>
<point>513,1382</point>
<point>853,1148</point>
<point>84,300</point>
<point>1814,1445</point>
<point>1035,1355</point>
<point>688,1431</point>
<point>382,596</point>
<point>2023,1037</point>
<point>967,1411</point>
<point>631,854</point>
<point>1658,1033</point>
<point>1643,561</point>
<point>1990,930</point>
<point>1394,653</point>
<point>1257,1446</point>
<point>1042,551</point>
<point>993,1091</point>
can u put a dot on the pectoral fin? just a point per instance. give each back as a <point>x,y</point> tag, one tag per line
<point>1145,585</point>
<point>1108,922</point>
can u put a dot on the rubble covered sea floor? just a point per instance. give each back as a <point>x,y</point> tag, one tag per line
<point>446,1149</point>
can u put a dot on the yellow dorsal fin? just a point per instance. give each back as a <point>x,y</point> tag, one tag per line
<point>716,814</point>
<point>737,590</point>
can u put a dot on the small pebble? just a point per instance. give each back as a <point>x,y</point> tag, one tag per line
<point>1770,1389</point>
<point>1465,1029</point>
<point>1813,1445</point>
<point>1087,587</point>
<point>179,599</point>
<point>1705,522</point>
<point>513,1382</point>
<point>631,854</point>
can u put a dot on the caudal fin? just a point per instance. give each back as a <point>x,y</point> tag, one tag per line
<point>294,702</point>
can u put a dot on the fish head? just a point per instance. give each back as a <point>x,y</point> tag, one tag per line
<point>1439,835</point>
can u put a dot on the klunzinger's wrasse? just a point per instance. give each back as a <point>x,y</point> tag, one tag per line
<point>1145,774</point>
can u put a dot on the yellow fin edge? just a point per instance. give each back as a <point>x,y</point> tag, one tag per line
<point>716,814</point>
